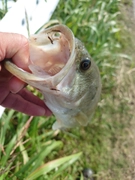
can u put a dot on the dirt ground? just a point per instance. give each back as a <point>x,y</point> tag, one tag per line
<point>126,81</point>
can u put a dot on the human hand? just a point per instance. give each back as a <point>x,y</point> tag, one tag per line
<point>13,93</point>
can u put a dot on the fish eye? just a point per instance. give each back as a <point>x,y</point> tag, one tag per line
<point>85,64</point>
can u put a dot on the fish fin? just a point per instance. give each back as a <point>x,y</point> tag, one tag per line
<point>81,118</point>
<point>57,125</point>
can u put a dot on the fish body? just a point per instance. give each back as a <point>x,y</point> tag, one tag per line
<point>64,72</point>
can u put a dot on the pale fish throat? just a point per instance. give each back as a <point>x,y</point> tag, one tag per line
<point>49,51</point>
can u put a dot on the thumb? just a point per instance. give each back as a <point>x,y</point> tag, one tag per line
<point>16,47</point>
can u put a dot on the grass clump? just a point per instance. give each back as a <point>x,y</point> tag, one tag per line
<point>26,147</point>
<point>29,149</point>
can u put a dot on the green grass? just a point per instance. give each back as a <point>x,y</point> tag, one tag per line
<point>29,149</point>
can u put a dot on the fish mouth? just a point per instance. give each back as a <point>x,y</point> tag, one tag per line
<point>52,54</point>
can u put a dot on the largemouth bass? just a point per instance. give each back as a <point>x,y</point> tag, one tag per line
<point>64,72</point>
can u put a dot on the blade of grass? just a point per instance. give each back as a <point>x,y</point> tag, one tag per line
<point>38,158</point>
<point>44,169</point>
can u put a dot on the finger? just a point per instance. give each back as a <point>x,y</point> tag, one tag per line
<point>14,46</point>
<point>18,103</point>
<point>15,85</point>
<point>27,95</point>
<point>3,92</point>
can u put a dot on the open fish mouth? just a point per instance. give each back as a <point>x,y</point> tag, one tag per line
<point>52,54</point>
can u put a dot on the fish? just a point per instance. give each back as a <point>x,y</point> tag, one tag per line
<point>64,72</point>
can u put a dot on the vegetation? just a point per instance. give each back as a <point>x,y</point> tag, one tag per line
<point>29,149</point>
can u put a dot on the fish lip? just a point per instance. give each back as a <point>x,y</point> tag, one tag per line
<point>52,81</point>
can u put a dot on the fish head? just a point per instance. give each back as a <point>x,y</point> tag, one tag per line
<point>62,69</point>
<point>87,81</point>
<point>81,88</point>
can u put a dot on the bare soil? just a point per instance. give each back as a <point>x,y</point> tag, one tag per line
<point>126,89</point>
